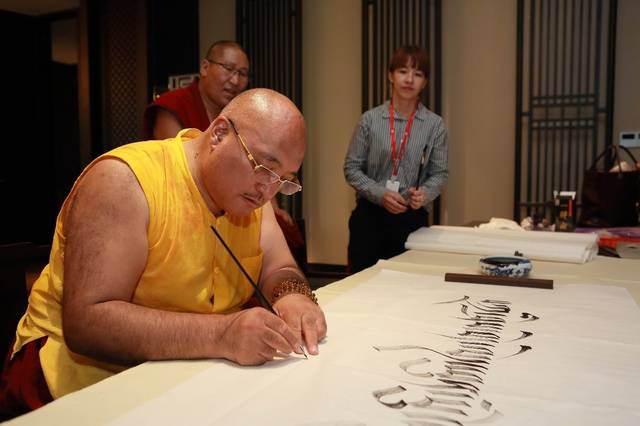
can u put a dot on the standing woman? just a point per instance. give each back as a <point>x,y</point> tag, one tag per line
<point>396,162</point>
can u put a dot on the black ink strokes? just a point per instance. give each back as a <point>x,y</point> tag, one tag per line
<point>453,301</point>
<point>442,354</point>
<point>523,349</point>
<point>524,335</point>
<point>397,348</point>
<point>528,317</point>
<point>379,394</point>
<point>497,302</point>
<point>445,386</point>
<point>487,307</point>
<point>407,365</point>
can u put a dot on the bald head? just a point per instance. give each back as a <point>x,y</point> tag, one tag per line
<point>270,113</point>
<point>220,45</point>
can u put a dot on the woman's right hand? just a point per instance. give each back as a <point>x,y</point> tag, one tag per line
<point>394,202</point>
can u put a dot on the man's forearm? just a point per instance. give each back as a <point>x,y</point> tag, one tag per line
<point>124,333</point>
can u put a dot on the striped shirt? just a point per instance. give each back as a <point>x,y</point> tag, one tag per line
<point>368,163</point>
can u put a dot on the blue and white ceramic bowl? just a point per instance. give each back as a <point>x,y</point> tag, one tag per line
<point>505,266</point>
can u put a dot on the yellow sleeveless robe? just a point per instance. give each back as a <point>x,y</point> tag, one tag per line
<point>187,269</point>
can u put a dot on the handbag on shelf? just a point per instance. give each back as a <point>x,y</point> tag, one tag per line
<point>610,198</point>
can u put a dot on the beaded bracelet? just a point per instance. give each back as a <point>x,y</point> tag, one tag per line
<point>293,285</point>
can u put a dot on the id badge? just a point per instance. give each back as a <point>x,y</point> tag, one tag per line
<point>393,185</point>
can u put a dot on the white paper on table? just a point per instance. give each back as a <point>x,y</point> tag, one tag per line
<point>549,246</point>
<point>583,366</point>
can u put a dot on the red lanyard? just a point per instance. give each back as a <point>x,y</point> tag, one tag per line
<point>395,157</point>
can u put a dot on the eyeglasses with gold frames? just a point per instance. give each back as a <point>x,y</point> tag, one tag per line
<point>230,69</point>
<point>265,175</point>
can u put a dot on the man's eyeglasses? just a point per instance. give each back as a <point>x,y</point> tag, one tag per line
<point>231,70</point>
<point>265,175</point>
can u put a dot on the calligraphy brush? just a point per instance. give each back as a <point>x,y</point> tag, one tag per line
<point>265,303</point>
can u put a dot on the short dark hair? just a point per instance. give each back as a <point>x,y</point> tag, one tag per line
<point>411,55</point>
<point>223,44</point>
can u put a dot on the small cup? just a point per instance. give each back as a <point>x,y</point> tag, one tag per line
<point>505,266</point>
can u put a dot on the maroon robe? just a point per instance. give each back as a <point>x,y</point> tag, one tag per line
<point>22,384</point>
<point>184,104</point>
